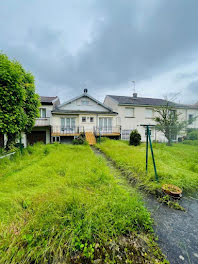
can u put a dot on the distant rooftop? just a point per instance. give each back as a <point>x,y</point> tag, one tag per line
<point>47,99</point>
<point>135,100</point>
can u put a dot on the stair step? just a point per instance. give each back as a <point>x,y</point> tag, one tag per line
<point>90,137</point>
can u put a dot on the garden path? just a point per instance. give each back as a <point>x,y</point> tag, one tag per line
<point>177,231</point>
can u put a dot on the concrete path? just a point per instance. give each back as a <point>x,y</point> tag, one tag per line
<point>177,231</point>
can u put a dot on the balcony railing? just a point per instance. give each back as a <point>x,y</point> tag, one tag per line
<point>105,131</point>
<point>42,122</point>
<point>76,130</point>
<point>61,131</point>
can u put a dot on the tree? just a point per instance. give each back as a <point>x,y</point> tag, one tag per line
<point>18,101</point>
<point>168,121</point>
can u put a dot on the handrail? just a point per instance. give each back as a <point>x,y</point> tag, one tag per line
<point>67,130</point>
<point>108,130</point>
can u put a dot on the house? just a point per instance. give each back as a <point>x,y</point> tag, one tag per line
<point>134,111</point>
<point>42,128</point>
<point>83,114</point>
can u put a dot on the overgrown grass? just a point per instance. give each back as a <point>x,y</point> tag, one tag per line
<point>191,142</point>
<point>175,165</point>
<point>61,204</point>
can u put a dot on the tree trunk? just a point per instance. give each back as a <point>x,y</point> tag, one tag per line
<point>10,141</point>
<point>169,143</point>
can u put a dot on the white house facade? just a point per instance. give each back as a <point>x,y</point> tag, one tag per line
<point>83,114</point>
<point>134,111</point>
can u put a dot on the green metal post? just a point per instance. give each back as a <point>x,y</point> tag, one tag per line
<point>147,129</point>
<point>155,169</point>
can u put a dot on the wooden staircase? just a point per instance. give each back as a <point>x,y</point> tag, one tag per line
<point>90,137</point>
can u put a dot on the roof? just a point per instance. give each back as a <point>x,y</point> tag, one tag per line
<point>48,99</point>
<point>88,96</point>
<point>129,100</point>
<point>59,111</point>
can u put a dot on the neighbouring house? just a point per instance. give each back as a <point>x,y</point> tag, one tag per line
<point>41,131</point>
<point>83,114</point>
<point>134,111</point>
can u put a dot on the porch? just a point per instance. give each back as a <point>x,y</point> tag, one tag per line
<point>58,131</point>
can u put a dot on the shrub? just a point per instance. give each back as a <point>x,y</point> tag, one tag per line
<point>80,140</point>
<point>191,142</point>
<point>193,135</point>
<point>135,138</point>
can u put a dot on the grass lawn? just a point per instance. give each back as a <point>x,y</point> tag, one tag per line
<point>61,204</point>
<point>176,164</point>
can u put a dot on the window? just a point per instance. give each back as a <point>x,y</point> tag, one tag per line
<point>149,113</point>
<point>105,122</point>
<point>84,102</point>
<point>150,131</point>
<point>129,112</point>
<point>56,139</point>
<point>83,119</point>
<point>42,112</point>
<point>190,119</point>
<point>91,119</point>
<point>68,122</point>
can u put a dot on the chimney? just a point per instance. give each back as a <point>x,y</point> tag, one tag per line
<point>85,91</point>
<point>135,95</point>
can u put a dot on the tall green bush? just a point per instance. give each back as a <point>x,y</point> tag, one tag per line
<point>135,138</point>
<point>193,135</point>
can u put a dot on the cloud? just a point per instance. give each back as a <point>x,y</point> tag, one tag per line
<point>105,44</point>
<point>193,88</point>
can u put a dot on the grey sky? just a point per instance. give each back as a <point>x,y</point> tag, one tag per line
<point>105,44</point>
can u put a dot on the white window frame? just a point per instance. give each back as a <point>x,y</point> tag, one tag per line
<point>91,118</point>
<point>65,123</point>
<point>43,113</point>
<point>84,118</point>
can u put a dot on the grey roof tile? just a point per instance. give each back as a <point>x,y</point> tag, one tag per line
<point>129,100</point>
<point>47,99</point>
